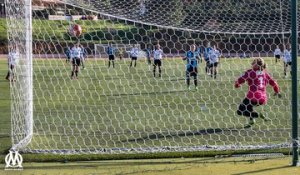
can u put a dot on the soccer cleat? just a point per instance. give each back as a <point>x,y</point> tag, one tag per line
<point>189,88</point>
<point>251,122</point>
<point>196,87</point>
<point>262,116</point>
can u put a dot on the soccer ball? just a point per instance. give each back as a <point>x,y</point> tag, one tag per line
<point>75,30</point>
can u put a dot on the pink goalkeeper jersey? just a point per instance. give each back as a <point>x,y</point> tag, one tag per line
<point>257,82</point>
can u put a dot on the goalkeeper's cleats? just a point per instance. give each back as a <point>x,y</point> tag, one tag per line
<point>250,124</point>
<point>262,116</point>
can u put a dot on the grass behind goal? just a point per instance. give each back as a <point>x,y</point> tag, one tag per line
<point>129,108</point>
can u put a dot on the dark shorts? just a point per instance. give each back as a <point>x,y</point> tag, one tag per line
<point>76,61</point>
<point>207,63</point>
<point>247,106</point>
<point>214,64</point>
<point>157,62</point>
<point>133,58</point>
<point>111,57</point>
<point>191,72</point>
<point>11,66</point>
<point>277,56</point>
<point>288,63</point>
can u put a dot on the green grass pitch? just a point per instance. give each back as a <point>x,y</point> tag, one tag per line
<point>128,107</point>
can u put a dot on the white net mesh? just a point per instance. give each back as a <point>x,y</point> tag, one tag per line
<point>126,108</point>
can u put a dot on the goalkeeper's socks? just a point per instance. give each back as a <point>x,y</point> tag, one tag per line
<point>250,124</point>
<point>72,74</point>
<point>76,74</point>
<point>262,116</point>
<point>252,121</point>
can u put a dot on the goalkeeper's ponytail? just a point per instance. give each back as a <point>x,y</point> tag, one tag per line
<point>260,63</point>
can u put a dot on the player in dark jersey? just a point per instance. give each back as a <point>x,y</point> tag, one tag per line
<point>257,79</point>
<point>192,58</point>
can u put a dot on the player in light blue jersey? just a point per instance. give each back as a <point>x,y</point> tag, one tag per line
<point>83,56</point>
<point>199,51</point>
<point>134,52</point>
<point>111,55</point>
<point>192,58</point>
<point>148,54</point>
<point>206,51</point>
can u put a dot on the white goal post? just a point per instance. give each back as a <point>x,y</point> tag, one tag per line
<point>152,107</point>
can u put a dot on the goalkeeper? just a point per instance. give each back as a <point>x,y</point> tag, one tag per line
<point>257,79</point>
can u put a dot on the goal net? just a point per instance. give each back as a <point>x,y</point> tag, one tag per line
<point>128,108</point>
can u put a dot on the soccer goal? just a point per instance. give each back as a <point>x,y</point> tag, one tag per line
<point>160,106</point>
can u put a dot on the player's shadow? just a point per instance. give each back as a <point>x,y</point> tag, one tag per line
<point>144,93</point>
<point>208,131</point>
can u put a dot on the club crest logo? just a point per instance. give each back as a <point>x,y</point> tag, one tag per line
<point>13,161</point>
